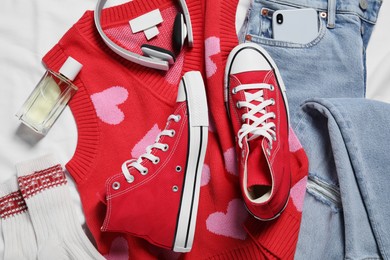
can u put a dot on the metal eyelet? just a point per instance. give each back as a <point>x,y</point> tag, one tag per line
<point>243,119</point>
<point>274,138</point>
<point>145,171</point>
<point>166,147</point>
<point>178,118</point>
<point>264,11</point>
<point>271,87</point>
<point>234,91</point>
<point>175,188</point>
<point>116,185</point>
<point>178,168</point>
<point>238,105</point>
<point>173,133</point>
<point>323,15</point>
<point>273,101</point>
<point>273,115</point>
<point>156,161</point>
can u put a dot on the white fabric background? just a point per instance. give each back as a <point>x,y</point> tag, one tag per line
<point>28,29</point>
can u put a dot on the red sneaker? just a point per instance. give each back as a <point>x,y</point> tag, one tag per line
<point>156,196</point>
<point>256,102</point>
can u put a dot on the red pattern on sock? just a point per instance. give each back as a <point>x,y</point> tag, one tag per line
<point>39,181</point>
<point>12,204</point>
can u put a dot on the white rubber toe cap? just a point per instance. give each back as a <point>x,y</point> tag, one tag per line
<point>248,57</point>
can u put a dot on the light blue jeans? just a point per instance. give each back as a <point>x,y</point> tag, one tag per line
<point>346,137</point>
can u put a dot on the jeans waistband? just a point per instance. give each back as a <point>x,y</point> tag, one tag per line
<point>365,9</point>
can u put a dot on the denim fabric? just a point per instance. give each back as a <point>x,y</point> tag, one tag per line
<point>354,146</point>
<point>346,211</point>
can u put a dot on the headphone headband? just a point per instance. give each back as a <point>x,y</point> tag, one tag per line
<point>187,19</point>
<point>135,57</point>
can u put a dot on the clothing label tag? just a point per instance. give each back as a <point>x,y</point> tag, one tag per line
<point>146,21</point>
<point>151,32</point>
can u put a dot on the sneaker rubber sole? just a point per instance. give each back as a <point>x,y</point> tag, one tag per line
<point>198,135</point>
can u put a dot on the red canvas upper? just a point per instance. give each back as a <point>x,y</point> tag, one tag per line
<point>119,109</point>
<point>151,206</point>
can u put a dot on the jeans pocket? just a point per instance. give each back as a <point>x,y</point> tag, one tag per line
<point>258,27</point>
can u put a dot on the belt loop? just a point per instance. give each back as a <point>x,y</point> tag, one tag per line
<point>331,14</point>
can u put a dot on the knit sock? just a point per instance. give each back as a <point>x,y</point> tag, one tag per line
<point>59,235</point>
<point>278,238</point>
<point>18,232</point>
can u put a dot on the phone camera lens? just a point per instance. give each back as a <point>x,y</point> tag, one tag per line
<point>279,18</point>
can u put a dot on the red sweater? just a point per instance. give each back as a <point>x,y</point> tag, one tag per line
<point>120,108</point>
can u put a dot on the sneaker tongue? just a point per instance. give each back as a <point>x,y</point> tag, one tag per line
<point>259,178</point>
<point>262,76</point>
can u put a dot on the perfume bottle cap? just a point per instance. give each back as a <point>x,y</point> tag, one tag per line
<point>70,68</point>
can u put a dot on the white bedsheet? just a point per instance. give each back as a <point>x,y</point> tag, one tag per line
<point>28,29</point>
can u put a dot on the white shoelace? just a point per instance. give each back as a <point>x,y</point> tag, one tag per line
<point>136,163</point>
<point>257,126</point>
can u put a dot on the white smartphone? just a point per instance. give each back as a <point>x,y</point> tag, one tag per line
<point>295,25</point>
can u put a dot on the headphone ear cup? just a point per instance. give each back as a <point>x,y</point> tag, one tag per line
<point>179,32</point>
<point>158,53</point>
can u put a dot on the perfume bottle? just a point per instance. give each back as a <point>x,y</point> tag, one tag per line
<point>49,97</point>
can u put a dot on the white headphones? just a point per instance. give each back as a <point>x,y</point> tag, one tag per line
<point>157,58</point>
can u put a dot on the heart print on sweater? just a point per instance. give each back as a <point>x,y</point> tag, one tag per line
<point>147,140</point>
<point>229,224</point>
<point>212,47</point>
<point>106,104</point>
<point>119,249</point>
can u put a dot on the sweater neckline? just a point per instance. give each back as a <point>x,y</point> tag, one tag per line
<point>193,58</point>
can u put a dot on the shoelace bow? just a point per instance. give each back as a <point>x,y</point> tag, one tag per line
<point>136,163</point>
<point>256,126</point>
